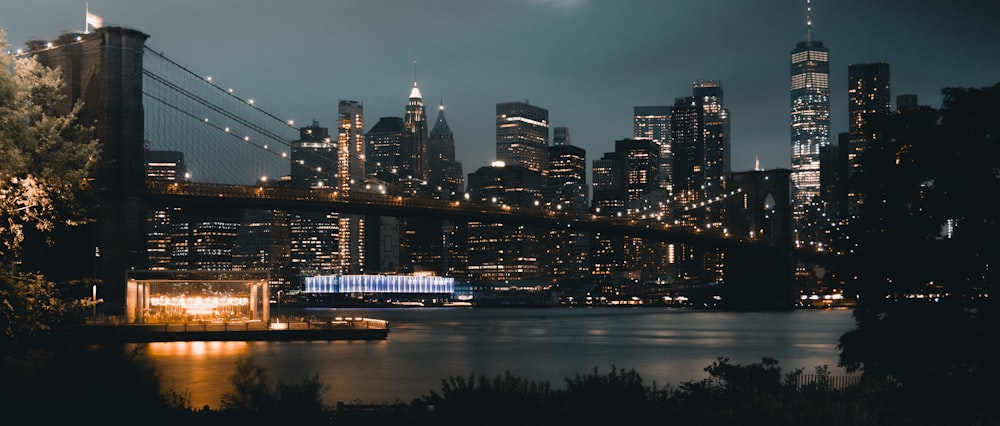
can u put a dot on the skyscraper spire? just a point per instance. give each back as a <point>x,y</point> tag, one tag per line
<point>809,22</point>
<point>415,146</point>
<point>810,116</point>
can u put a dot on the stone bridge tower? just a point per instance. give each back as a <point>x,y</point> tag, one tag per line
<point>759,276</point>
<point>103,69</point>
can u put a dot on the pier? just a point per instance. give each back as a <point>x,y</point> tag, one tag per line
<point>349,328</point>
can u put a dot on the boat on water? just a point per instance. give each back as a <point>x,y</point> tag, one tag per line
<point>411,304</point>
<point>457,304</point>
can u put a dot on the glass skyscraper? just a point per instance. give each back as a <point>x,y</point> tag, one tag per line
<point>868,97</point>
<point>810,117</point>
<point>522,135</point>
<point>653,122</point>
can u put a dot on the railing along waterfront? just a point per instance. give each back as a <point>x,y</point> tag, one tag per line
<point>347,328</point>
<point>211,326</point>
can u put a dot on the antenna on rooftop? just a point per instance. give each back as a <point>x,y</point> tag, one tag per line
<point>809,21</point>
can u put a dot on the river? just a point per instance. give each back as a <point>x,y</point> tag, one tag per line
<point>425,345</point>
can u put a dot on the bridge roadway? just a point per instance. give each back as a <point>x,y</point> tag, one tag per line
<point>218,197</point>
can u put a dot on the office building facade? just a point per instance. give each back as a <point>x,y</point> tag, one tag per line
<point>522,135</point>
<point>810,118</point>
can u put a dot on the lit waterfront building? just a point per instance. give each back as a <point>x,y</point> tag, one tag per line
<point>810,116</point>
<point>522,135</point>
<point>371,284</point>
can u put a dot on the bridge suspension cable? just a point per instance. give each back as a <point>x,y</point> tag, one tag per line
<point>186,112</point>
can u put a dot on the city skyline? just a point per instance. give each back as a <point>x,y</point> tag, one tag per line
<point>591,64</point>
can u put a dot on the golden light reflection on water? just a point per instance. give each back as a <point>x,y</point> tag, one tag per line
<point>198,369</point>
<point>426,346</point>
<point>197,349</point>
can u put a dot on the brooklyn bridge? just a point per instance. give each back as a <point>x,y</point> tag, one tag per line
<point>136,96</point>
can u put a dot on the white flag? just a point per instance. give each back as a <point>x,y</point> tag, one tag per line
<point>94,20</point>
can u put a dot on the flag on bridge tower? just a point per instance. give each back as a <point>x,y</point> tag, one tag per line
<point>92,21</point>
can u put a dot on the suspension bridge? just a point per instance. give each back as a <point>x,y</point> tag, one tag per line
<point>140,99</point>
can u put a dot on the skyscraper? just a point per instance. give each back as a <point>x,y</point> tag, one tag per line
<point>565,255</point>
<point>165,166</point>
<point>314,158</point>
<point>906,102</point>
<point>810,115</point>
<point>653,122</point>
<point>567,178</point>
<point>687,129</point>
<point>499,251</point>
<point>699,139</point>
<point>443,170</point>
<point>717,162</point>
<point>383,149</point>
<point>313,235</point>
<point>868,98</point>
<point>350,173</point>
<point>415,139</point>
<point>640,165</point>
<point>428,243</point>
<point>351,145</point>
<point>162,166</point>
<point>560,136</point>
<point>522,135</point>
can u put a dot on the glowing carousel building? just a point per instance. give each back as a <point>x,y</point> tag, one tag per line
<point>196,296</point>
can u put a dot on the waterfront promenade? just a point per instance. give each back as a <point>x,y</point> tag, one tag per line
<point>339,328</point>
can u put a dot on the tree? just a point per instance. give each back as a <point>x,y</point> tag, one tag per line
<point>923,252</point>
<point>254,398</point>
<point>46,160</point>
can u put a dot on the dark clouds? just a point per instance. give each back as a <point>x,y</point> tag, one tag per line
<point>587,61</point>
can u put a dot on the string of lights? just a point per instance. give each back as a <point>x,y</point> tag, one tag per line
<point>270,141</point>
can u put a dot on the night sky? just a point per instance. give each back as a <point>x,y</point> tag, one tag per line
<point>588,62</point>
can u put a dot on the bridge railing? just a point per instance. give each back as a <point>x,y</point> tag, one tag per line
<point>629,226</point>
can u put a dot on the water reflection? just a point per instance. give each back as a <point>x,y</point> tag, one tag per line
<point>426,345</point>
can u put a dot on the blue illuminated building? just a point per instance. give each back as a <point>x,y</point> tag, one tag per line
<point>386,284</point>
